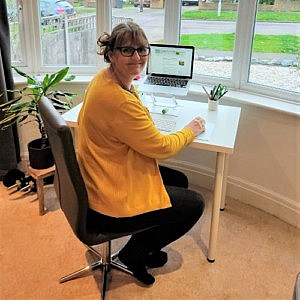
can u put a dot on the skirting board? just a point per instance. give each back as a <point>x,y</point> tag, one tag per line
<point>247,192</point>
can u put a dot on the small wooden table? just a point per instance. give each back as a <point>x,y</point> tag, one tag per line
<point>39,176</point>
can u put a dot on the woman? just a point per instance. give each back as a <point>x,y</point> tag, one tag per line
<point>118,149</point>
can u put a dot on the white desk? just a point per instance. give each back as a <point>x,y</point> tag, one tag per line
<point>226,120</point>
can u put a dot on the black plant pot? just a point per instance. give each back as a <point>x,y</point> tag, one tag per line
<point>40,154</point>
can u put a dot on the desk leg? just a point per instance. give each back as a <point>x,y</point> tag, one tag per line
<point>224,186</point>
<point>219,174</point>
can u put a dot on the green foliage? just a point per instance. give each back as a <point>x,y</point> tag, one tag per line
<point>85,10</point>
<point>128,4</point>
<point>268,2</point>
<point>77,3</point>
<point>291,16</point>
<point>262,43</point>
<point>209,15</point>
<point>25,101</point>
<point>209,41</point>
<point>276,43</point>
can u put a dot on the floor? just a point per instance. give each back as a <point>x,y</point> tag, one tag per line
<point>258,257</point>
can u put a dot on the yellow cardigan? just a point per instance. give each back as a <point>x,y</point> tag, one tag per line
<point>118,148</point>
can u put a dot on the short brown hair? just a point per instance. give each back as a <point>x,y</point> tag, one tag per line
<point>122,32</point>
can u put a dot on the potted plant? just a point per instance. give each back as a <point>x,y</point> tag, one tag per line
<point>23,108</point>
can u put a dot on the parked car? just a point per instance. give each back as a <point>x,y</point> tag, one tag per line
<point>55,7</point>
<point>146,3</point>
<point>189,2</point>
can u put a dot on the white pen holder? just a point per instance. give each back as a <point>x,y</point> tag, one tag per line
<point>213,104</point>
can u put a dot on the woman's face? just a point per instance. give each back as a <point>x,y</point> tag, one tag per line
<point>130,58</point>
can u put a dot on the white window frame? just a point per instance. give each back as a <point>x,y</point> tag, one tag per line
<point>242,55</point>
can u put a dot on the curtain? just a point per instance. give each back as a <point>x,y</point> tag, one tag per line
<point>9,142</point>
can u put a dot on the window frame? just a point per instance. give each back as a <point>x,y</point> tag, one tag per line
<point>244,34</point>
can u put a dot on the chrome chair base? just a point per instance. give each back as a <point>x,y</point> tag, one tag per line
<point>105,262</point>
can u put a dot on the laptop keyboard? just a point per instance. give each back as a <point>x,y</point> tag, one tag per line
<point>164,122</point>
<point>165,81</point>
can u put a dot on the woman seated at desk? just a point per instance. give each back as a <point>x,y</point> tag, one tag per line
<point>118,149</point>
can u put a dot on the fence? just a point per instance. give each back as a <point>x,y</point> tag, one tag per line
<point>69,40</point>
<point>80,23</point>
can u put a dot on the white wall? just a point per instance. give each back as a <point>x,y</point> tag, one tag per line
<point>264,170</point>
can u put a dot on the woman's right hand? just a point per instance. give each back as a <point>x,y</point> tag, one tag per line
<point>197,125</point>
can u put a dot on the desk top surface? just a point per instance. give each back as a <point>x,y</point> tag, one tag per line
<point>225,120</point>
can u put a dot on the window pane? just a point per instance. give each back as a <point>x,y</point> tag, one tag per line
<point>210,27</point>
<point>68,33</point>
<point>276,45</point>
<point>15,29</point>
<point>150,16</point>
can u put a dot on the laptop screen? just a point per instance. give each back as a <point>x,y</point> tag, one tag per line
<point>171,61</point>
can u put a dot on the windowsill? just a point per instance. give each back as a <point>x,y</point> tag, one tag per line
<point>242,97</point>
<point>79,79</point>
<point>254,99</point>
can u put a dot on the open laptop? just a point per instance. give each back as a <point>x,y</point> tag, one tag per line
<point>169,70</point>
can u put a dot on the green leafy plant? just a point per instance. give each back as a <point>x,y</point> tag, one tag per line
<point>25,101</point>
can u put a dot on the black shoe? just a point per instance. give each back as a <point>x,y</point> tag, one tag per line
<point>156,259</point>
<point>138,269</point>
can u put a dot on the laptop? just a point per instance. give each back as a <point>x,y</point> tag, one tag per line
<point>169,70</point>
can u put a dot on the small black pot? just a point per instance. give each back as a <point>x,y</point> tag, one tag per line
<point>40,154</point>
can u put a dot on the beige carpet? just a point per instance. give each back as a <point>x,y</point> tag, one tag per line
<point>258,257</point>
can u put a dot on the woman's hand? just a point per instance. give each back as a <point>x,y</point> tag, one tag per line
<point>197,125</point>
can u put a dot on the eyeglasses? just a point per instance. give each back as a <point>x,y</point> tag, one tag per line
<point>129,51</point>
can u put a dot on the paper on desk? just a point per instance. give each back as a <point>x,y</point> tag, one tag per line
<point>205,136</point>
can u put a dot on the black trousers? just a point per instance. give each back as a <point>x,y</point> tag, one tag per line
<point>173,177</point>
<point>156,229</point>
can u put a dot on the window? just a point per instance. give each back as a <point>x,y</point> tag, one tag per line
<point>68,33</point>
<point>14,13</point>
<point>210,28</point>
<point>248,45</point>
<point>276,46</point>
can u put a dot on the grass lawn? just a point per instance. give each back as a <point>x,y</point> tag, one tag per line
<point>85,10</point>
<point>232,15</point>
<point>262,43</point>
<point>212,15</point>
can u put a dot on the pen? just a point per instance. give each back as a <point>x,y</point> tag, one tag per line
<point>208,95</point>
<point>213,92</point>
<point>217,91</point>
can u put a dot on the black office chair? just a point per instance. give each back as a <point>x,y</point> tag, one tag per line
<point>73,197</point>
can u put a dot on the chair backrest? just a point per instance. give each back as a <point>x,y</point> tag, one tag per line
<point>71,188</point>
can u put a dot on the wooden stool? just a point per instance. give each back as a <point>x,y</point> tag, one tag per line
<point>39,176</point>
